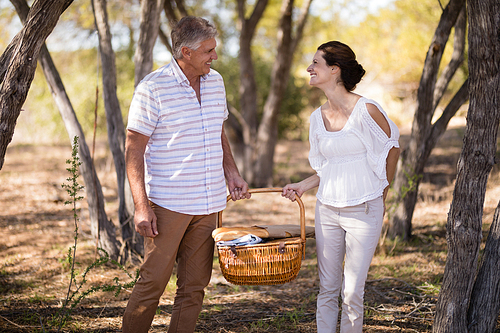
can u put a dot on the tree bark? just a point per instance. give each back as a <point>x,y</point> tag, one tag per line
<point>100,225</point>
<point>424,135</point>
<point>248,87</point>
<point>267,135</point>
<point>116,131</point>
<point>174,10</point>
<point>464,223</point>
<point>484,305</point>
<point>150,24</point>
<point>19,64</point>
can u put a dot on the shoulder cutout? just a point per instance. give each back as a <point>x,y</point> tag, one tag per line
<point>379,118</point>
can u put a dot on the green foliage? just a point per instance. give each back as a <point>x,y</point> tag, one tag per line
<point>397,32</point>
<point>78,71</point>
<point>394,201</point>
<point>73,188</point>
<point>392,43</point>
<point>413,181</point>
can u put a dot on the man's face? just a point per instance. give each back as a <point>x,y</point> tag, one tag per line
<point>202,57</point>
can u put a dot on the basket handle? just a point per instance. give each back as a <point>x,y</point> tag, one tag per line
<point>276,189</point>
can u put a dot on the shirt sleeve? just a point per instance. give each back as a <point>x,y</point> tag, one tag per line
<point>222,89</point>
<point>144,110</point>
<point>226,110</point>
<point>316,159</point>
<point>376,141</point>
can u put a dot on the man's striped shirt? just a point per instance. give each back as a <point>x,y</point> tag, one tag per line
<point>183,158</point>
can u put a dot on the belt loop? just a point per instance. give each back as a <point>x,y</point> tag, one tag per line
<point>366,207</point>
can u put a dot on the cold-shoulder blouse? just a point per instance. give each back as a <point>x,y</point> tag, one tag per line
<point>351,162</point>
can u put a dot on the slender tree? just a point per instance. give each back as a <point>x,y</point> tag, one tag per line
<point>116,130</point>
<point>267,134</point>
<point>247,118</point>
<point>150,26</point>
<point>425,134</point>
<point>464,225</point>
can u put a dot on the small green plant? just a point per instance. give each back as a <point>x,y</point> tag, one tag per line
<point>76,292</point>
<point>412,185</point>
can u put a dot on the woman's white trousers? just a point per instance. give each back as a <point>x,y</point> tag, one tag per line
<point>346,239</point>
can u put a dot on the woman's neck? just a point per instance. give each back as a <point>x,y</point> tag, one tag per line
<point>340,100</point>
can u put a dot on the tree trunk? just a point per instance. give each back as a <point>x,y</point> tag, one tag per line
<point>267,135</point>
<point>248,87</point>
<point>18,67</point>
<point>116,131</point>
<point>424,135</point>
<point>100,225</point>
<point>484,305</point>
<point>464,223</point>
<point>150,24</point>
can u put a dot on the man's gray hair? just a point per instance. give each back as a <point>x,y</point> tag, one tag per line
<point>191,31</point>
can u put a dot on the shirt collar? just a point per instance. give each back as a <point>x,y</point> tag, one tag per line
<point>181,77</point>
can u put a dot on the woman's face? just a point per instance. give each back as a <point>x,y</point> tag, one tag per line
<point>319,71</point>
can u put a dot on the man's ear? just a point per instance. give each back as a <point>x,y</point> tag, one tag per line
<point>186,52</point>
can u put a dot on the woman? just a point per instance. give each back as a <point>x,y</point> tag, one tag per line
<point>354,151</point>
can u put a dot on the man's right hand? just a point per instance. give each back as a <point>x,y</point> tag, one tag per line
<point>145,222</point>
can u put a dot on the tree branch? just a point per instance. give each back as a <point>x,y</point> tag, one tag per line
<point>451,109</point>
<point>247,132</point>
<point>427,83</point>
<point>301,22</point>
<point>457,57</point>
<point>164,39</point>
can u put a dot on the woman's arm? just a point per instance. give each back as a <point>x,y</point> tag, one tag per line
<point>391,163</point>
<point>291,190</point>
<point>393,155</point>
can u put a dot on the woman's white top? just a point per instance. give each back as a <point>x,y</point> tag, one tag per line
<point>351,163</point>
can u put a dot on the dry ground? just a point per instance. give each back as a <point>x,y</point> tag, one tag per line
<point>37,231</point>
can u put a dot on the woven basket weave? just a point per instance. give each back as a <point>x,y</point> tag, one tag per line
<point>274,262</point>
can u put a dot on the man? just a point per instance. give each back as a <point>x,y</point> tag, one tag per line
<point>177,156</point>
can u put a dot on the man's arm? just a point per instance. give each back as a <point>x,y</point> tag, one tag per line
<point>238,187</point>
<point>144,218</point>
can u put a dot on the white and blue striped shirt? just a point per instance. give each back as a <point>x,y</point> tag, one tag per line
<point>183,158</point>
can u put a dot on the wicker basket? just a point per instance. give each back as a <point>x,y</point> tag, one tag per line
<point>274,262</point>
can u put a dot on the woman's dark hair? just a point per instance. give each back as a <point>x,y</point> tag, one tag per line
<point>338,54</point>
